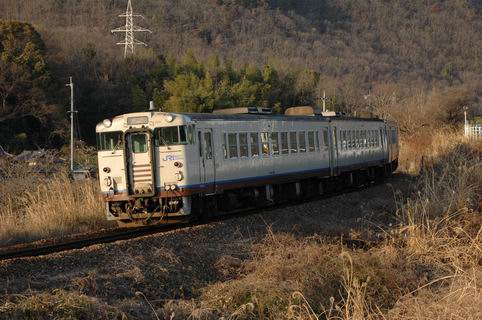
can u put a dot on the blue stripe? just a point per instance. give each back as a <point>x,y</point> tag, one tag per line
<point>224,182</point>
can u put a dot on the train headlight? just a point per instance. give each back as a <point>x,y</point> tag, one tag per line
<point>169,118</point>
<point>108,181</point>
<point>173,187</point>
<point>179,176</point>
<point>107,123</point>
<point>106,169</point>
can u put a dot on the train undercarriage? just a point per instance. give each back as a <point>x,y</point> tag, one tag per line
<point>179,209</point>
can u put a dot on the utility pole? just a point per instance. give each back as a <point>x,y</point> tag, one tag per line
<point>466,126</point>
<point>72,111</point>
<point>324,98</point>
<point>129,29</point>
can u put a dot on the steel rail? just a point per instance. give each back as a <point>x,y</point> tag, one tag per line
<point>117,235</point>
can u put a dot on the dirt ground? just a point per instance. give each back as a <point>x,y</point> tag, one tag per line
<point>178,264</point>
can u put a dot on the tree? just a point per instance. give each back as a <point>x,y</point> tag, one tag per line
<point>24,82</point>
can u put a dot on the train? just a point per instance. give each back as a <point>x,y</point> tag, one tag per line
<point>163,167</point>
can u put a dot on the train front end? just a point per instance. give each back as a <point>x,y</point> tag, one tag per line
<point>143,167</point>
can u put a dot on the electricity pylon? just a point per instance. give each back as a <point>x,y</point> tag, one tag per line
<point>129,29</point>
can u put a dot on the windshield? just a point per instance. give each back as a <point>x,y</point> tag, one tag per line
<point>108,141</point>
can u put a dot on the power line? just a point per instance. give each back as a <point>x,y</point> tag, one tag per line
<point>129,29</point>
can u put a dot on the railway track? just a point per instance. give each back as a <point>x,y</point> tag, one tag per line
<point>113,235</point>
<point>108,236</point>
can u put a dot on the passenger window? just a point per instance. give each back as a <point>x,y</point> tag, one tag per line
<point>317,140</point>
<point>208,145</point>
<point>343,140</point>
<point>233,145</point>
<point>139,143</point>
<point>200,143</point>
<point>311,141</point>
<point>284,143</point>
<point>225,146</point>
<point>254,141</point>
<point>325,138</point>
<point>302,141</point>
<point>243,145</point>
<point>265,143</point>
<point>274,143</point>
<point>293,143</point>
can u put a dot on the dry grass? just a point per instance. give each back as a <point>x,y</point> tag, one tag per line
<point>58,305</point>
<point>35,207</point>
<point>428,267</point>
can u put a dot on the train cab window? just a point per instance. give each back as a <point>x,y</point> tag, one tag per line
<point>139,143</point>
<point>170,136</point>
<point>394,136</point>
<point>284,143</point>
<point>265,143</point>
<point>293,143</point>
<point>274,143</point>
<point>109,141</point>
<point>311,141</point>
<point>243,145</point>
<point>233,145</point>
<point>325,138</point>
<point>254,144</point>
<point>302,141</point>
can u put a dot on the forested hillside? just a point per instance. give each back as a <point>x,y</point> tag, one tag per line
<point>383,56</point>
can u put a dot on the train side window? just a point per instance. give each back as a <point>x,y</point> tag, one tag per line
<point>348,140</point>
<point>293,143</point>
<point>284,143</point>
<point>311,141</point>
<point>208,145</point>
<point>343,140</point>
<point>325,138</point>
<point>254,142</point>
<point>317,141</point>
<point>233,145</point>
<point>201,144</point>
<point>302,141</point>
<point>274,143</point>
<point>191,134</point>
<point>225,145</point>
<point>182,134</point>
<point>265,143</point>
<point>243,145</point>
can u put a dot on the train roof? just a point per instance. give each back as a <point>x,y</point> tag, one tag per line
<point>253,117</point>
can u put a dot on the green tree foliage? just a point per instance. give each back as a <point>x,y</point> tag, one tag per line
<point>198,87</point>
<point>24,82</point>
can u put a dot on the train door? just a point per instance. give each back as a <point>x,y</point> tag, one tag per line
<point>333,151</point>
<point>139,163</point>
<point>207,173</point>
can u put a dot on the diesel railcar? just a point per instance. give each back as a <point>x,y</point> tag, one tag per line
<point>162,167</point>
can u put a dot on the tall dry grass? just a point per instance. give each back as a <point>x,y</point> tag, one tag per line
<point>428,267</point>
<point>34,206</point>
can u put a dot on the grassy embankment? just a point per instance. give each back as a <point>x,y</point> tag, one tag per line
<point>33,207</point>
